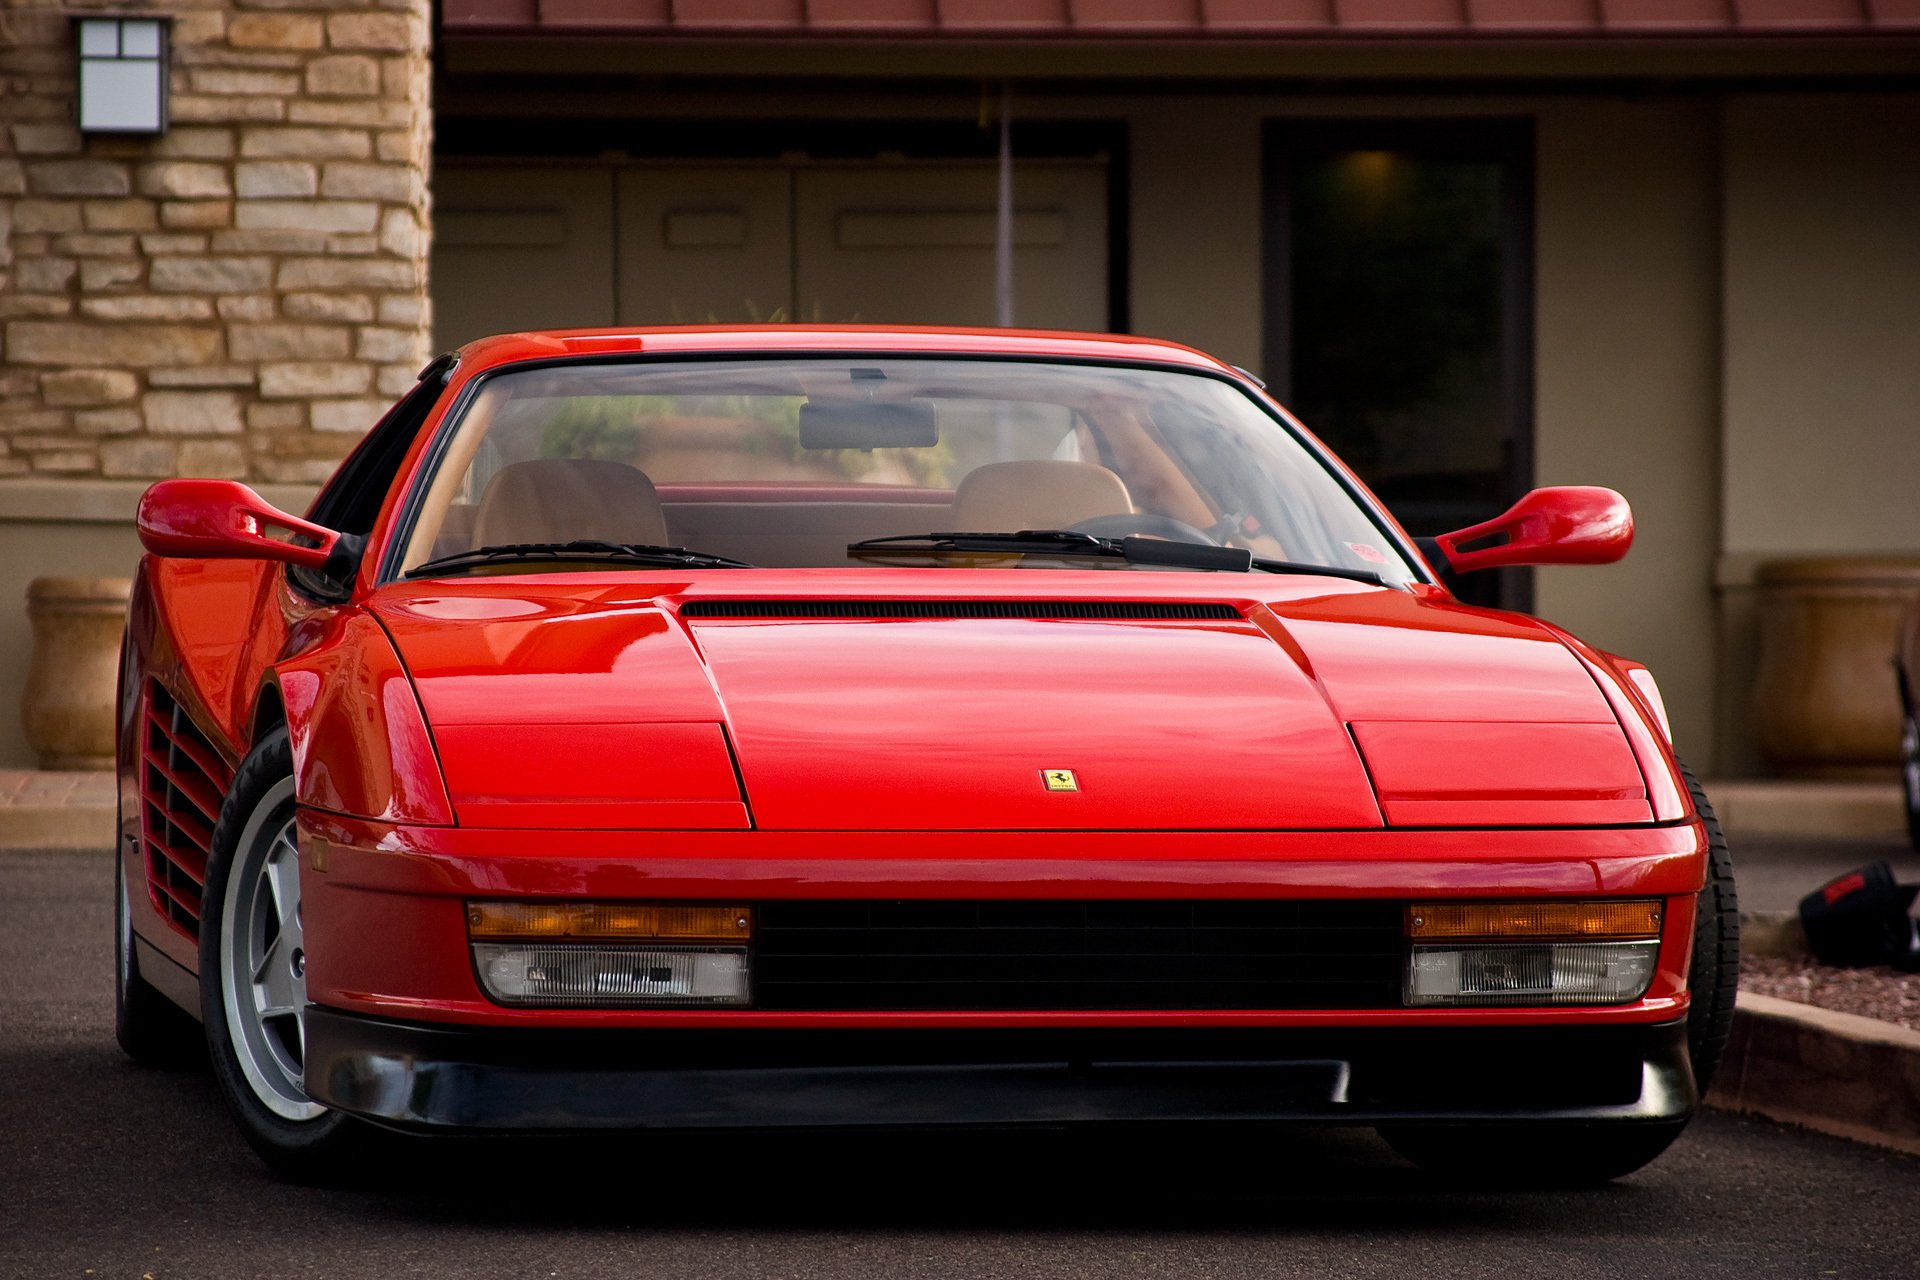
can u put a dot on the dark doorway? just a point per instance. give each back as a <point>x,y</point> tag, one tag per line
<point>1399,311</point>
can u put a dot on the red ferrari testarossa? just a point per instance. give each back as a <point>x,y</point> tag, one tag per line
<point>857,726</point>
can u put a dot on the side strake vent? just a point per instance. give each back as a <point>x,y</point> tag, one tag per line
<point>1126,610</point>
<point>182,782</point>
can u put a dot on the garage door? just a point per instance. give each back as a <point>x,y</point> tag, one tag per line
<point>903,243</point>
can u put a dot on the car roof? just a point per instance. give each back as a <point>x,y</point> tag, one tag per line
<point>794,339</point>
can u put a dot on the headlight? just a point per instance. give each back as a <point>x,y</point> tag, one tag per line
<point>1531,953</point>
<point>610,976</point>
<point>1650,690</point>
<point>610,954</point>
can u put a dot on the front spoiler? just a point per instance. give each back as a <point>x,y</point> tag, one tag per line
<point>442,1077</point>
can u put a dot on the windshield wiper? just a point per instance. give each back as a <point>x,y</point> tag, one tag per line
<point>579,549</point>
<point>1067,542</point>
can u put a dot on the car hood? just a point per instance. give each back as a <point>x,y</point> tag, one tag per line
<point>1000,700</point>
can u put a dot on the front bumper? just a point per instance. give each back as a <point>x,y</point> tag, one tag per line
<point>384,905</point>
<point>443,1077</point>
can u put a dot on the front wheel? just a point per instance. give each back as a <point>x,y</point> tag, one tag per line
<point>1589,1153</point>
<point>253,971</point>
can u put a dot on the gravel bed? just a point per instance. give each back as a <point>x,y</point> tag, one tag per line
<point>1886,994</point>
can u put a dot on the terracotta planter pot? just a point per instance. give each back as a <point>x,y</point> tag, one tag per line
<point>1825,702</point>
<point>67,709</point>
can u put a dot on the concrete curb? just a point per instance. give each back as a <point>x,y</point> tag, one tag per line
<point>57,809</point>
<point>1837,1073</point>
<point>1818,809</point>
<point>66,826</point>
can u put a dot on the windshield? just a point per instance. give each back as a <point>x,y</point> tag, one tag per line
<point>788,461</point>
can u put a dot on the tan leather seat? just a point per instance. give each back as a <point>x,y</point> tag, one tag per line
<point>563,499</point>
<point>1005,497</point>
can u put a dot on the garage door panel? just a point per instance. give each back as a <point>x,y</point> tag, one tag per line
<point>914,244</point>
<point>523,247</point>
<point>520,248</point>
<point>705,245</point>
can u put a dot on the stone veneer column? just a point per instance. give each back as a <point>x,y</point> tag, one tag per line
<point>241,295</point>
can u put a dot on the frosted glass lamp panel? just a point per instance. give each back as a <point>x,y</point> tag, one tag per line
<point>121,96</point>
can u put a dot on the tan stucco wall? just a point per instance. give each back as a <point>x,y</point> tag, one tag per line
<point>1195,224</point>
<point>1626,366</point>
<point>1822,323</point>
<point>1821,392</point>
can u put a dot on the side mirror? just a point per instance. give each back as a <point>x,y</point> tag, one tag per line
<point>225,520</point>
<point>1571,524</point>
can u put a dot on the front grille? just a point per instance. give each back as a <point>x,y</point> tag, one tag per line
<point>1077,955</point>
<point>1099,610</point>
<point>182,782</point>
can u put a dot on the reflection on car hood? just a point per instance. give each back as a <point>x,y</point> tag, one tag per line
<point>932,700</point>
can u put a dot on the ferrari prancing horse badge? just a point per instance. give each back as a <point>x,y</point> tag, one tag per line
<point>1059,780</point>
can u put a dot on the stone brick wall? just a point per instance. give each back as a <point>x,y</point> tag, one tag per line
<point>241,295</point>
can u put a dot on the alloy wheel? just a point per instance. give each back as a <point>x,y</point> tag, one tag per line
<point>263,959</point>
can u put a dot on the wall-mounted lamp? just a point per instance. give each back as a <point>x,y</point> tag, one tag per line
<point>123,74</point>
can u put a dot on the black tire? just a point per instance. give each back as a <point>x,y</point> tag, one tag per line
<point>1714,976</point>
<point>257,1053</point>
<point>1584,1154</point>
<point>151,1029</point>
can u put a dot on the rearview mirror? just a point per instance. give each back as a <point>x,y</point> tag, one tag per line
<point>1570,524</point>
<point>868,424</point>
<point>225,520</point>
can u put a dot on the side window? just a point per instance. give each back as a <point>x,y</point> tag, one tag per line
<point>351,501</point>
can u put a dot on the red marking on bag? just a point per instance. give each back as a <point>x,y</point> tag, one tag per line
<point>1843,886</point>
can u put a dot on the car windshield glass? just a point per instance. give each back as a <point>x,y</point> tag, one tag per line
<point>787,462</point>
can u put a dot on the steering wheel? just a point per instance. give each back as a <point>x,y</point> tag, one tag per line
<point>1144,524</point>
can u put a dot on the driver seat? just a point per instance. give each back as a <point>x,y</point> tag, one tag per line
<point>564,499</point>
<point>1041,493</point>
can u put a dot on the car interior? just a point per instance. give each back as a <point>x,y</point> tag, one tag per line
<point>785,467</point>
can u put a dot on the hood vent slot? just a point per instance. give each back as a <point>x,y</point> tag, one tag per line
<point>1126,610</point>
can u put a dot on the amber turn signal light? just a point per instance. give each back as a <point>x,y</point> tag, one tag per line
<point>1436,920</point>
<point>608,921</point>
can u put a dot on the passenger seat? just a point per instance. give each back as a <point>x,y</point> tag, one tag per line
<point>1006,497</point>
<point>565,499</point>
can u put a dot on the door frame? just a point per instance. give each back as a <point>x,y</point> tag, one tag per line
<point>1506,140</point>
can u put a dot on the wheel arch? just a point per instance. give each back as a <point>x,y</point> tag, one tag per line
<point>269,711</point>
<point>360,741</point>
<point>1645,727</point>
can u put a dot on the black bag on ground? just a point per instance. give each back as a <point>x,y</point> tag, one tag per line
<point>1861,918</point>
